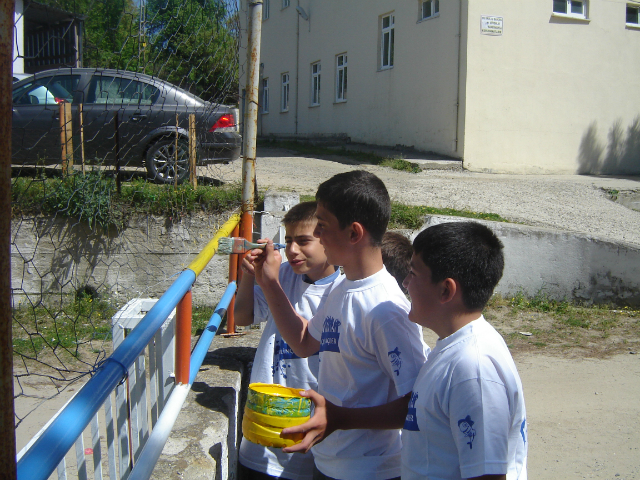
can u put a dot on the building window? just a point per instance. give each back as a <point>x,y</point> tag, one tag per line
<point>386,45</point>
<point>430,8</point>
<point>265,95</point>
<point>285,3</point>
<point>633,15</point>
<point>284,94</point>
<point>572,8</point>
<point>265,9</point>
<point>315,83</point>
<point>341,78</point>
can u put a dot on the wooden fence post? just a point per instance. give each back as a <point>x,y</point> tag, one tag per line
<point>66,138</point>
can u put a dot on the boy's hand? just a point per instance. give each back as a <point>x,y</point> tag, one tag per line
<point>266,263</point>
<point>317,428</point>
<point>247,266</point>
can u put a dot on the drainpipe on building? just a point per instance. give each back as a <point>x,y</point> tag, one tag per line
<point>459,68</point>
<point>297,68</point>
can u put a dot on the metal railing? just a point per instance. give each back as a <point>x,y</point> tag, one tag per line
<point>44,454</point>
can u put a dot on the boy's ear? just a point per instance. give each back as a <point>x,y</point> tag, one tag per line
<point>357,232</point>
<point>449,289</point>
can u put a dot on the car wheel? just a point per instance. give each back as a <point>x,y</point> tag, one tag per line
<point>161,160</point>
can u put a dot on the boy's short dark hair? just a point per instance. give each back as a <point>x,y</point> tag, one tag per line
<point>302,212</point>
<point>467,252</point>
<point>357,196</point>
<point>396,255</point>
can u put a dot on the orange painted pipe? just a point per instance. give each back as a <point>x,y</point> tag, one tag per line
<point>233,277</point>
<point>183,339</point>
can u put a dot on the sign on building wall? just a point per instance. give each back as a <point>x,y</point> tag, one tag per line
<point>490,25</point>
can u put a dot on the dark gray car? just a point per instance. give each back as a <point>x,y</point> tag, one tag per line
<point>146,108</point>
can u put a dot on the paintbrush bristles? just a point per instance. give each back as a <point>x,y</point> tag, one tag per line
<point>230,245</point>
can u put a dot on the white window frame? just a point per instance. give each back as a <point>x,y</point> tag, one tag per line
<point>285,3</point>
<point>316,76</point>
<point>265,95</point>
<point>635,6</point>
<point>284,92</point>
<point>569,6</point>
<point>265,9</point>
<point>341,78</point>
<point>433,7</point>
<point>387,39</point>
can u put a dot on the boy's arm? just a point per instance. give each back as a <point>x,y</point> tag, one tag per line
<point>243,306</point>
<point>292,327</point>
<point>328,418</point>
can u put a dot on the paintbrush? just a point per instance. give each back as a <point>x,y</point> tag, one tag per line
<point>229,245</point>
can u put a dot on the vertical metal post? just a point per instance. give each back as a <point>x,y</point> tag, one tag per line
<point>116,122</point>
<point>193,178</point>
<point>251,118</point>
<point>7,419</point>
<point>175,166</point>
<point>233,277</point>
<point>81,119</point>
<point>183,339</point>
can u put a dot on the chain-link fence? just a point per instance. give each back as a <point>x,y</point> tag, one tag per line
<point>107,204</point>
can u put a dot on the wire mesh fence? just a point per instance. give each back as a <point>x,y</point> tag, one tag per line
<point>123,148</point>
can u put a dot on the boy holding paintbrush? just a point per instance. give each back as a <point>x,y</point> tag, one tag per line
<point>306,279</point>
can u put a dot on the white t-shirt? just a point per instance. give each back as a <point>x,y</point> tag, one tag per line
<point>466,416</point>
<point>370,354</point>
<point>275,362</point>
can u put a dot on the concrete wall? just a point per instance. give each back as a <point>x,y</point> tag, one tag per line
<point>552,94</point>
<point>563,265</point>
<point>18,38</point>
<point>58,255</point>
<point>413,103</point>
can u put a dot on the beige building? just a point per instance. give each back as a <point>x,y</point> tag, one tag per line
<point>526,86</point>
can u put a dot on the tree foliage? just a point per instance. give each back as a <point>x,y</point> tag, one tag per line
<point>190,43</point>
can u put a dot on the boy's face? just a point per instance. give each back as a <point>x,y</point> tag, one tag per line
<point>332,237</point>
<point>425,295</point>
<point>304,251</point>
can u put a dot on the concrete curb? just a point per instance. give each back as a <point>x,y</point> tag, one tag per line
<point>563,265</point>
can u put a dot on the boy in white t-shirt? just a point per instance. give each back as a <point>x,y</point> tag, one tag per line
<point>370,353</point>
<point>305,279</point>
<point>466,416</point>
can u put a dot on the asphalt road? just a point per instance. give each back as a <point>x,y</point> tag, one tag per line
<point>574,203</point>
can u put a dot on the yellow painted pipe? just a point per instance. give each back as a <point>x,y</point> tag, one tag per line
<point>210,249</point>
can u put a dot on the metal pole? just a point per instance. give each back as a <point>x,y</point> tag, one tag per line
<point>7,418</point>
<point>183,338</point>
<point>251,118</point>
<point>233,277</point>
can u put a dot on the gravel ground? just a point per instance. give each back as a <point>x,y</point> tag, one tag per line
<point>567,202</point>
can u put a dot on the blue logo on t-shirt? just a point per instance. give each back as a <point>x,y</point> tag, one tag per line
<point>411,422</point>
<point>396,361</point>
<point>281,353</point>
<point>330,335</point>
<point>523,430</point>
<point>466,427</point>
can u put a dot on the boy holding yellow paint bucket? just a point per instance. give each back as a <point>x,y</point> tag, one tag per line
<point>370,353</point>
<point>306,279</point>
<point>466,415</point>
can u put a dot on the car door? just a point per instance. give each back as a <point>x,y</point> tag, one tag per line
<point>35,132</point>
<point>109,94</point>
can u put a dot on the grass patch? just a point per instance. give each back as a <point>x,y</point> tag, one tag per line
<point>412,216</point>
<point>65,328</point>
<point>565,328</point>
<point>93,198</point>
<point>305,148</point>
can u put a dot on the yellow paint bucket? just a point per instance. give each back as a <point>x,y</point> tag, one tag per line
<point>277,400</point>
<point>269,409</point>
